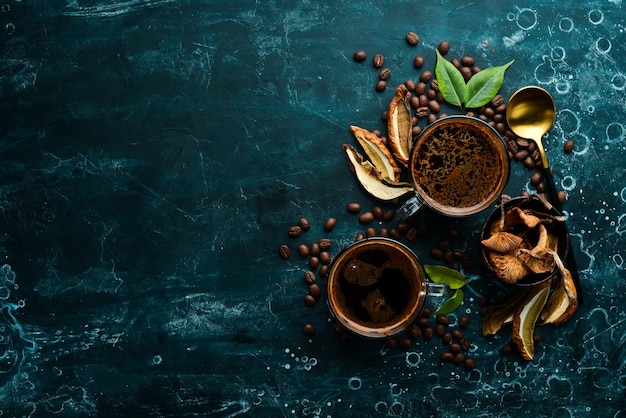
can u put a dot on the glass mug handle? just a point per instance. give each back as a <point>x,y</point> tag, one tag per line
<point>437,289</point>
<point>411,206</point>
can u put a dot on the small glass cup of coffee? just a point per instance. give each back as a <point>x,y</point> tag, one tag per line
<point>377,287</point>
<point>459,166</point>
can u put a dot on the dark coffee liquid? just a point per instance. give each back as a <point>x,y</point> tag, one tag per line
<point>376,285</point>
<point>459,165</point>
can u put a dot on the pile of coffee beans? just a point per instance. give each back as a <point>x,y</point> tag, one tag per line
<point>426,102</point>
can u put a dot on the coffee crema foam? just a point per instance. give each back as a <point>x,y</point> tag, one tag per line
<point>459,165</point>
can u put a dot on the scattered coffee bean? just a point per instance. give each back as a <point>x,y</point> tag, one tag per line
<point>436,253</point>
<point>455,348</point>
<point>284,251</point>
<point>359,236</point>
<point>354,207</point>
<point>468,61</point>
<point>434,106</point>
<point>325,258</point>
<point>415,330</point>
<point>447,256</point>
<point>324,271</point>
<point>379,60</point>
<point>315,290</point>
<point>304,224</point>
<point>443,320</point>
<point>497,101</point>
<point>423,322</point>
<point>330,224</point>
<point>459,358</point>
<point>366,218</point>
<point>308,329</point>
<point>383,232</point>
<point>483,301</point>
<point>426,76</point>
<point>529,163</point>
<point>325,244</point>
<point>562,196</point>
<point>465,344</point>
<point>359,56</point>
<point>294,231</point>
<point>536,178</point>
<point>411,234</point>
<point>378,212</point>
<point>384,74</point>
<point>389,215</point>
<point>309,277</point>
<point>410,85</point>
<point>446,338</point>
<point>390,343</point>
<point>426,313</point>
<point>455,62</point>
<point>446,356</point>
<point>444,47</point>
<point>314,263</point>
<point>303,250</point>
<point>536,338</point>
<point>315,249</point>
<point>440,329</point>
<point>458,254</point>
<point>418,62</point>
<point>457,334</point>
<point>309,300</point>
<point>404,342</point>
<point>428,333</point>
<point>568,147</point>
<point>395,234</point>
<point>370,232</point>
<point>507,349</point>
<point>469,364</point>
<point>412,38</point>
<point>381,86</point>
<point>463,321</point>
<point>466,72</point>
<point>420,88</point>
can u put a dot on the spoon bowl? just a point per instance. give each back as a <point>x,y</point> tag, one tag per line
<point>531,113</point>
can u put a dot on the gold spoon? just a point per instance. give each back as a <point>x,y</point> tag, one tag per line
<point>530,114</point>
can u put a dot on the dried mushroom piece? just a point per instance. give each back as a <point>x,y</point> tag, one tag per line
<point>525,319</point>
<point>399,126</point>
<point>371,178</point>
<point>508,267</point>
<point>516,216</point>
<point>377,152</point>
<point>538,262</point>
<point>503,242</point>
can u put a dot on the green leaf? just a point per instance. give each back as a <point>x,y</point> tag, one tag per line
<point>451,304</point>
<point>451,82</point>
<point>445,275</point>
<point>484,85</point>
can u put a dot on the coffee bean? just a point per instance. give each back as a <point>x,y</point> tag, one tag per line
<point>359,236</point>
<point>568,147</point>
<point>488,111</point>
<point>404,342</point>
<point>536,178</point>
<point>562,196</point>
<point>440,329</point>
<point>414,101</point>
<point>446,338</point>
<point>389,215</point>
<point>415,330</point>
<point>423,322</point>
<point>456,63</point>
<point>324,271</point>
<point>444,47</point>
<point>458,254</point>
<point>465,344</point>
<point>483,301</point>
<point>315,290</point>
<point>294,231</point>
<point>507,349</point>
<point>498,100</point>
<point>325,244</point>
<point>309,277</point>
<point>420,88</point>
<point>366,218</point>
<point>428,333</point>
<point>501,109</point>
<point>378,212</point>
<point>426,313</point>
<point>309,300</point>
<point>459,358</point>
<point>384,74</point>
<point>431,118</point>
<point>330,224</point>
<point>434,107</point>
<point>284,251</point>
<point>431,94</point>
<point>325,258</point>
<point>308,329</point>
<point>412,38</point>
<point>383,232</point>
<point>381,86</point>
<point>354,207</point>
<point>436,253</point>
<point>500,126</point>
<point>463,321</point>
<point>457,334</point>
<point>521,155</point>
<point>455,348</point>
<point>512,146</point>
<point>303,250</point>
<point>379,60</point>
<point>314,263</point>
<point>422,111</point>
<point>476,70</point>
<point>469,364</point>
<point>370,232</point>
<point>468,61</point>
<point>314,249</point>
<point>410,85</point>
<point>359,56</point>
<point>426,76</point>
<point>418,62</point>
<point>529,163</point>
<point>443,320</point>
<point>447,256</point>
<point>395,234</point>
<point>304,224</point>
<point>447,356</point>
<point>536,338</point>
<point>466,72</point>
<point>411,234</point>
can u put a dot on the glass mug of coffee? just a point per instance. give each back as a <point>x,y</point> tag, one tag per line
<point>459,166</point>
<point>377,287</point>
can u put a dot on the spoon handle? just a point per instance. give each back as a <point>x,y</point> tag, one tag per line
<point>570,261</point>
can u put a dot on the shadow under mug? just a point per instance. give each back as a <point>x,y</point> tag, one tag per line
<point>377,287</point>
<point>459,166</point>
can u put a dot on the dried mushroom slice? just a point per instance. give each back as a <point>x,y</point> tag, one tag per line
<point>562,303</point>
<point>399,126</point>
<point>378,152</point>
<point>509,268</point>
<point>538,261</point>
<point>500,314</point>
<point>503,242</point>
<point>517,216</point>
<point>526,317</point>
<point>370,177</point>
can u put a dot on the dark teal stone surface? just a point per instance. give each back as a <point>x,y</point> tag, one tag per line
<point>154,154</point>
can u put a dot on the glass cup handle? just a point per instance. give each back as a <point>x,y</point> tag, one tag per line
<point>437,289</point>
<point>411,206</point>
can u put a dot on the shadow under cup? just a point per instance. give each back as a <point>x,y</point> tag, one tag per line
<point>377,287</point>
<point>459,166</point>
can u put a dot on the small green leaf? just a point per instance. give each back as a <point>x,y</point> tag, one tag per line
<point>451,82</point>
<point>451,304</point>
<point>484,85</point>
<point>445,275</point>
